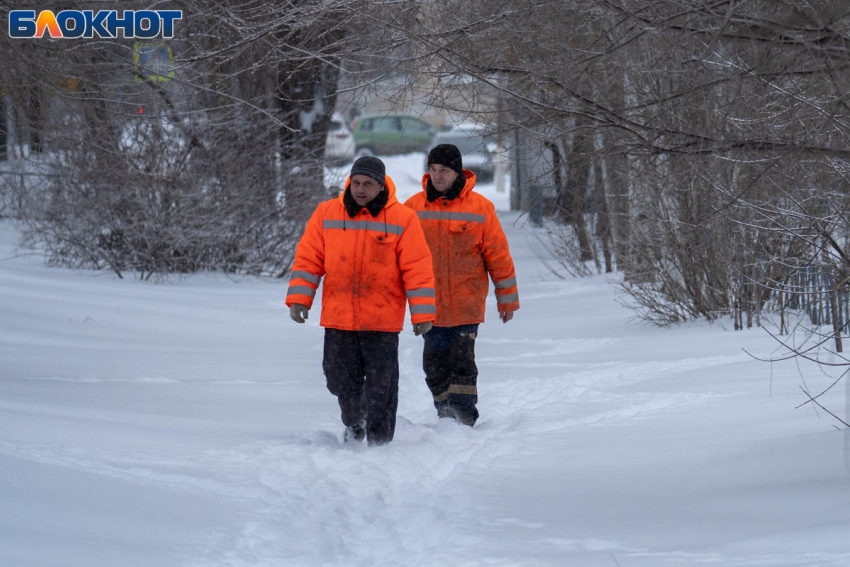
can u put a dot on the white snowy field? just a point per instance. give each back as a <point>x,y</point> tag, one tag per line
<point>188,424</point>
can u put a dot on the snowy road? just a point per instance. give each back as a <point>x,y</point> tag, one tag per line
<point>188,425</point>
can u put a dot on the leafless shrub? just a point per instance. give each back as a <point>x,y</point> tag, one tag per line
<point>209,159</point>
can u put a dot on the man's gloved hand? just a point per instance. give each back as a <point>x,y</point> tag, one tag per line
<point>298,312</point>
<point>422,328</point>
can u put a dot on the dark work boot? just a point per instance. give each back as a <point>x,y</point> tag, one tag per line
<point>466,414</point>
<point>443,409</point>
<point>355,433</point>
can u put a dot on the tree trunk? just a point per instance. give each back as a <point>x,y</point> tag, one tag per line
<point>35,118</point>
<point>574,194</point>
<point>4,128</point>
<point>836,319</point>
<point>603,222</point>
<point>306,97</point>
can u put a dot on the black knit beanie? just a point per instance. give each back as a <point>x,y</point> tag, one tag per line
<point>372,167</point>
<point>447,155</point>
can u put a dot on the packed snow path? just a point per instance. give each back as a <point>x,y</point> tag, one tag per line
<point>187,424</point>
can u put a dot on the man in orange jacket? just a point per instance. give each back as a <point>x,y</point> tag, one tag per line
<point>373,255</point>
<point>467,243</point>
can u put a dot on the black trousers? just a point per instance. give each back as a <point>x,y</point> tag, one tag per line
<point>361,368</point>
<point>450,371</point>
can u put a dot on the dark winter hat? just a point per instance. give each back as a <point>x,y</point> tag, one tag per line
<point>447,155</point>
<point>371,166</point>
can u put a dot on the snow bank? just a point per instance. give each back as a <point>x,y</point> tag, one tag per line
<point>188,425</point>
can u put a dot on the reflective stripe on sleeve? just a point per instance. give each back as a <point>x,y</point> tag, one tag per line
<point>421,292</point>
<point>505,284</point>
<point>363,225</point>
<point>301,289</point>
<point>448,215</point>
<point>510,298</point>
<point>418,309</point>
<point>305,276</point>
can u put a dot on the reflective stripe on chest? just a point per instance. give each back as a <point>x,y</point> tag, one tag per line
<point>450,215</point>
<point>363,225</point>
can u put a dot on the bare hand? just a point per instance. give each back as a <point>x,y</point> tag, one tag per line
<point>506,316</point>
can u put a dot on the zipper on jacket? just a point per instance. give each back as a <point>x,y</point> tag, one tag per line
<point>356,282</point>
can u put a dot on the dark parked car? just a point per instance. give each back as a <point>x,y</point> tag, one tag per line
<point>476,148</point>
<point>390,134</point>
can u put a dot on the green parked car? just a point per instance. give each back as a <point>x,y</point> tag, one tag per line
<point>388,134</point>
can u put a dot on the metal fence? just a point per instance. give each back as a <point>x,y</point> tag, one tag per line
<point>812,290</point>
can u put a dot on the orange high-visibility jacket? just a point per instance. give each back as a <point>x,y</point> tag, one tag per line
<point>371,265</point>
<point>467,242</point>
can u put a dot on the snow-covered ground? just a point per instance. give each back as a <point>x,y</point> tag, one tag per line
<point>188,424</point>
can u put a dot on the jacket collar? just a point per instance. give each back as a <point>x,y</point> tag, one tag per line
<point>384,199</point>
<point>460,188</point>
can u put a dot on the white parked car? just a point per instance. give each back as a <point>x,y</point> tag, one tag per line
<point>339,145</point>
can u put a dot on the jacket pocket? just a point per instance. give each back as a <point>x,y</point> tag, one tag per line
<point>466,238</point>
<point>382,248</point>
